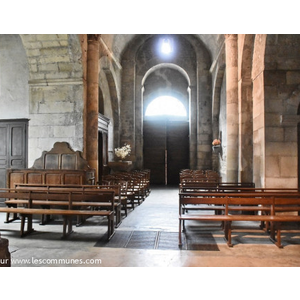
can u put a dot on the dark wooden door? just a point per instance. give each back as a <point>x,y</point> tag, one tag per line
<point>154,150</point>
<point>13,146</point>
<point>166,149</point>
<point>177,149</point>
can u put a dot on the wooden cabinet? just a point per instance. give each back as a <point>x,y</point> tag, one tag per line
<point>13,146</point>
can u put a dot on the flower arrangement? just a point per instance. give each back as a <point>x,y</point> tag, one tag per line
<point>123,151</point>
<point>216,142</point>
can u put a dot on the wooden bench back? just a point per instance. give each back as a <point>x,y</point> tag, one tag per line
<point>66,195</point>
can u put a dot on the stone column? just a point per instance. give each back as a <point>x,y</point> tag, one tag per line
<point>232,106</point>
<point>91,112</point>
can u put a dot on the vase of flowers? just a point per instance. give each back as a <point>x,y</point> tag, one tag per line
<point>122,152</point>
<point>120,165</point>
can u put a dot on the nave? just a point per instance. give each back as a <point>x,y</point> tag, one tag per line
<point>147,237</point>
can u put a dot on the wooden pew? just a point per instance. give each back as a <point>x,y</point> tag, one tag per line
<point>61,202</point>
<point>265,205</point>
<point>77,187</point>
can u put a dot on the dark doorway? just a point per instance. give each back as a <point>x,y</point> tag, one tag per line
<point>166,149</point>
<point>103,123</point>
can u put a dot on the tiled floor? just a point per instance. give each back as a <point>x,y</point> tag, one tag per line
<point>148,238</point>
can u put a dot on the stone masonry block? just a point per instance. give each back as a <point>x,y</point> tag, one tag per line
<point>54,93</point>
<point>281,149</point>
<point>54,51</point>
<point>293,77</point>
<point>64,131</point>
<point>274,105</point>
<point>54,59</point>
<point>48,68</point>
<point>40,131</point>
<point>273,163</point>
<point>290,134</point>
<point>258,122</point>
<point>57,75</point>
<point>51,37</point>
<point>33,45</point>
<point>56,107</point>
<point>288,166</point>
<point>53,119</point>
<point>51,44</point>
<point>281,182</point>
<point>274,134</point>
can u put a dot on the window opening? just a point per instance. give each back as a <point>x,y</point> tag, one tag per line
<point>166,106</point>
<point>166,46</point>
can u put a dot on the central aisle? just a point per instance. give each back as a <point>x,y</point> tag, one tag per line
<point>158,212</point>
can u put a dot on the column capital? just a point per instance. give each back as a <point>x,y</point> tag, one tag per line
<point>230,36</point>
<point>93,37</point>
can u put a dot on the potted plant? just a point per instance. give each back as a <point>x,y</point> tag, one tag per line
<point>216,145</point>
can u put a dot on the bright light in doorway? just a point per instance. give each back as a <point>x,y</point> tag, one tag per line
<point>166,46</point>
<point>166,105</point>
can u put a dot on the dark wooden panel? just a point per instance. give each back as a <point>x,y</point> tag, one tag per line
<point>3,139</point>
<point>17,141</point>
<point>178,149</point>
<point>53,178</point>
<point>52,161</point>
<point>13,147</point>
<point>68,161</point>
<point>16,177</point>
<point>154,150</point>
<point>34,177</point>
<point>161,136</point>
<point>73,179</point>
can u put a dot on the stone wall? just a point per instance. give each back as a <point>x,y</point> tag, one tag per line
<point>56,92</point>
<point>14,91</point>
<point>281,87</point>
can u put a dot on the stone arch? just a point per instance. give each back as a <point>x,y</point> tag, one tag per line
<point>137,59</point>
<point>165,85</point>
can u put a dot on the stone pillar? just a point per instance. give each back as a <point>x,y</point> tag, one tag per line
<point>91,112</point>
<point>232,106</point>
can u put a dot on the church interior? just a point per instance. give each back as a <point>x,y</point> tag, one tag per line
<point>225,103</point>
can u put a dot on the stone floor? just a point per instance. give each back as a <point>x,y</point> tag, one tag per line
<point>148,237</point>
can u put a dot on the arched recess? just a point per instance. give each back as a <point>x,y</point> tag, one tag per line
<point>192,56</point>
<point>245,109</point>
<point>166,137</point>
<point>111,107</point>
<point>166,79</point>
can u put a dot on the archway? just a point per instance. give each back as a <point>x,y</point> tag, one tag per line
<point>166,124</point>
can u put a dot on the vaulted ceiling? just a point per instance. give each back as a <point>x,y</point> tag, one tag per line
<point>117,43</point>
